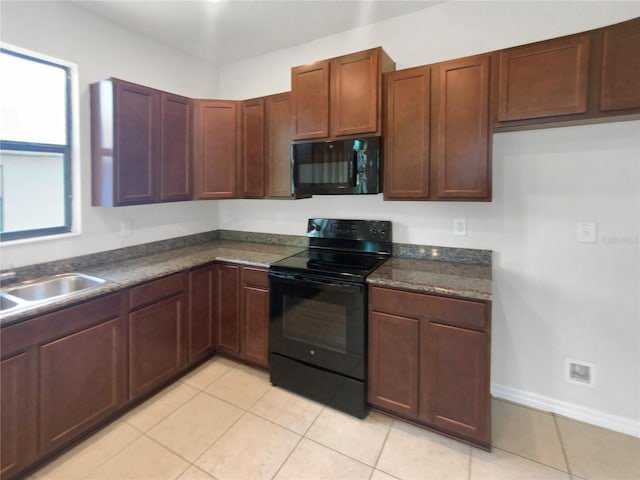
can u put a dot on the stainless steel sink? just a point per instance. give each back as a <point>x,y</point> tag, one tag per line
<point>39,292</point>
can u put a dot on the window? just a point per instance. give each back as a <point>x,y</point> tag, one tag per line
<point>35,147</point>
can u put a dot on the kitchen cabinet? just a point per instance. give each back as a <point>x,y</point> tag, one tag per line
<point>436,131</point>
<point>157,324</point>
<point>49,364</point>
<point>253,151</point>
<point>216,149</point>
<point>620,82</point>
<point>243,312</point>
<point>429,361</point>
<point>201,334</point>
<point>339,96</point>
<point>140,143</point>
<point>277,145</point>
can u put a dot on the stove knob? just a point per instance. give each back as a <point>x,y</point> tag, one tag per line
<point>312,352</point>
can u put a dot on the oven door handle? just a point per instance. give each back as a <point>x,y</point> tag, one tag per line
<point>303,280</point>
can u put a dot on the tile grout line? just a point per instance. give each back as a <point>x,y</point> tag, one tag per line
<point>564,450</point>
<point>384,443</point>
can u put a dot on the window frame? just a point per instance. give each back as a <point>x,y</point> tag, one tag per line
<point>65,150</point>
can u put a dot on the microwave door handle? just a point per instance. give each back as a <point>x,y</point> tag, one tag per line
<point>353,169</point>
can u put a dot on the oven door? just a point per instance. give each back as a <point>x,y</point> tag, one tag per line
<point>319,321</point>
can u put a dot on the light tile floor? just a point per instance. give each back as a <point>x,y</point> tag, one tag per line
<point>225,421</point>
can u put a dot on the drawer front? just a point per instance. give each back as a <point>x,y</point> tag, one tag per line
<point>449,311</point>
<point>256,277</point>
<point>156,290</point>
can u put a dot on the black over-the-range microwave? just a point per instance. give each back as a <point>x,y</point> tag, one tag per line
<point>341,167</point>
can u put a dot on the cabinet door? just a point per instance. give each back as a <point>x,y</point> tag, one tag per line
<point>310,101</point>
<point>228,308</point>
<point>254,322</point>
<point>393,363</point>
<point>18,416</point>
<point>155,344</point>
<point>81,381</point>
<point>355,87</point>
<point>620,88</point>
<point>454,380</point>
<point>544,80</point>
<point>461,140</point>
<point>136,124</point>
<point>215,174</point>
<point>277,144</point>
<point>175,152</point>
<point>407,134</point>
<point>253,153</point>
<point>200,331</point>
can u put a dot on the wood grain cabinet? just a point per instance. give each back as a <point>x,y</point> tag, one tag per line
<point>140,144</point>
<point>243,312</point>
<point>253,148</point>
<point>436,131</point>
<point>216,148</point>
<point>429,361</point>
<point>157,333</point>
<point>201,334</point>
<point>339,96</point>
<point>62,374</point>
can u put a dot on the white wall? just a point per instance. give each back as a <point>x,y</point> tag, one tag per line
<point>102,49</point>
<point>554,298</point>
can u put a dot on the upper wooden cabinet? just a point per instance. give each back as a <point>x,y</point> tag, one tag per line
<point>436,131</point>
<point>253,148</point>
<point>340,96</point>
<point>620,81</point>
<point>278,145</point>
<point>545,79</point>
<point>216,149</point>
<point>140,144</point>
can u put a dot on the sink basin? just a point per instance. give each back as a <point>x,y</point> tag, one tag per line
<point>30,294</point>
<point>53,287</point>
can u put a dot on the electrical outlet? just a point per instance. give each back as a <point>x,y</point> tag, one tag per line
<point>126,228</point>
<point>459,226</point>
<point>279,218</point>
<point>225,217</point>
<point>586,232</point>
<point>580,372</point>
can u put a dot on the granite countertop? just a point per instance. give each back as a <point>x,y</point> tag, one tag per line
<point>429,276</point>
<point>126,273</point>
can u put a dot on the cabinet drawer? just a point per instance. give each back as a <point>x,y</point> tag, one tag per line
<point>450,311</point>
<point>256,277</point>
<point>156,290</point>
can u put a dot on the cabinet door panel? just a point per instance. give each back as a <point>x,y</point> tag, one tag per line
<point>461,151</point>
<point>136,131</point>
<point>155,344</point>
<point>407,134</point>
<point>253,153</point>
<point>255,325</point>
<point>17,433</point>
<point>228,308</point>
<point>544,80</point>
<point>200,334</point>
<point>620,87</point>
<point>216,149</point>
<point>354,93</point>
<point>278,141</point>
<point>454,380</point>
<point>393,363</point>
<point>310,101</point>
<point>175,155</point>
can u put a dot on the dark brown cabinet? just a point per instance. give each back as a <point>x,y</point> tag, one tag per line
<point>620,82</point>
<point>429,361</point>
<point>49,365</point>
<point>254,315</point>
<point>253,151</point>
<point>141,144</point>
<point>340,96</point>
<point>437,136</point>
<point>216,149</point>
<point>228,308</point>
<point>277,145</point>
<point>157,324</point>
<point>201,335</point>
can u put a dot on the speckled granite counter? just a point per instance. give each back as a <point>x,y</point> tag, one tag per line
<point>128,272</point>
<point>429,276</point>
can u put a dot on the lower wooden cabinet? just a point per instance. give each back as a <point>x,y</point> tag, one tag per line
<point>201,334</point>
<point>157,324</point>
<point>429,361</point>
<point>243,312</point>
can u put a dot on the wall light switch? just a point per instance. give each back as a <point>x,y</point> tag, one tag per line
<point>460,226</point>
<point>586,232</point>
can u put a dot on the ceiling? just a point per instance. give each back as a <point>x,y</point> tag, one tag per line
<point>227,31</point>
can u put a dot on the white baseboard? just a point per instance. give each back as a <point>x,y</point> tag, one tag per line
<point>566,409</point>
